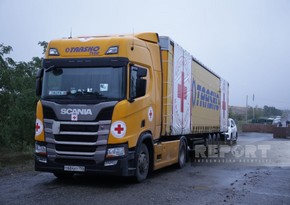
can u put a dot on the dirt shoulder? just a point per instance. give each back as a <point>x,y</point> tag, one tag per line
<point>15,162</point>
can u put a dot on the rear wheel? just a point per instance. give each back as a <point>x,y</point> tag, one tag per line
<point>142,163</point>
<point>208,145</point>
<point>218,138</point>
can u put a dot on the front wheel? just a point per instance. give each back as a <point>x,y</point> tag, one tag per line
<point>142,165</point>
<point>182,154</point>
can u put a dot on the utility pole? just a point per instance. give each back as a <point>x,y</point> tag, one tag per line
<point>247,109</point>
<point>253,107</point>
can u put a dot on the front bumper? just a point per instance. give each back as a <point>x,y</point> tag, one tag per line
<point>123,167</point>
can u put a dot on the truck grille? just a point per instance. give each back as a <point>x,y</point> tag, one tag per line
<point>70,141</point>
<point>83,141</point>
<point>78,128</point>
<point>76,138</point>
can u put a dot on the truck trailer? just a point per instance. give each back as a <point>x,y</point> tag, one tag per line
<point>124,105</point>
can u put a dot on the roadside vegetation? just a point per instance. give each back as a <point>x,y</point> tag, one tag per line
<point>265,115</point>
<point>17,106</point>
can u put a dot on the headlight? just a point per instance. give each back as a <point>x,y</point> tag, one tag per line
<point>112,50</point>
<point>115,152</point>
<point>40,149</point>
<point>53,52</point>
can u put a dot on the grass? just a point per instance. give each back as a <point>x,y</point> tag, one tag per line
<point>15,161</point>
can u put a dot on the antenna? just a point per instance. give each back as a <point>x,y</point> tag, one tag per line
<point>132,47</point>
<point>70,35</point>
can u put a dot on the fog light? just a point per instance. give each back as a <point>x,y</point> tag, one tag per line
<point>115,152</point>
<point>41,159</point>
<point>110,163</point>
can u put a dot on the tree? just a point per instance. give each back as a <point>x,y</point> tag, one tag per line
<point>44,45</point>
<point>272,111</point>
<point>17,97</point>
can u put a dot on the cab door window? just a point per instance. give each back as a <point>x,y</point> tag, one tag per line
<point>137,82</point>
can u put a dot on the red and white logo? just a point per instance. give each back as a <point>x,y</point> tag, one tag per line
<point>150,114</point>
<point>74,117</point>
<point>181,118</point>
<point>38,127</point>
<point>118,129</point>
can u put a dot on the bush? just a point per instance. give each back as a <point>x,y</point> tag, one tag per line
<point>18,101</point>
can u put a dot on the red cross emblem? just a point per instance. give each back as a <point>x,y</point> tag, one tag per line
<point>74,117</point>
<point>182,92</point>
<point>118,129</point>
<point>38,127</point>
<point>150,114</point>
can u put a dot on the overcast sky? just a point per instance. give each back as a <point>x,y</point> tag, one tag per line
<point>247,42</point>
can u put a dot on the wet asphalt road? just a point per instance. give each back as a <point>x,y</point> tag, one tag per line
<point>255,171</point>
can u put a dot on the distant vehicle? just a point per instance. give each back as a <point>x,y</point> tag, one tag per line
<point>231,136</point>
<point>270,120</point>
<point>264,120</point>
<point>277,121</point>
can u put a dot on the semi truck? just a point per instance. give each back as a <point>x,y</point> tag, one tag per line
<point>124,105</point>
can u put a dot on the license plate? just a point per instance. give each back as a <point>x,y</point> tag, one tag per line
<point>74,168</point>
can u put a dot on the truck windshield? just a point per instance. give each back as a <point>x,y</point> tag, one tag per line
<point>99,83</point>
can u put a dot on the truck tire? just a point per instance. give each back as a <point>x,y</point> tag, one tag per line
<point>218,137</point>
<point>142,163</point>
<point>208,145</point>
<point>182,153</point>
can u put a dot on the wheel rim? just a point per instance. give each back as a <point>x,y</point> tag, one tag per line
<point>143,163</point>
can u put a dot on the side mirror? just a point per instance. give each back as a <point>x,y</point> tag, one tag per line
<point>38,83</point>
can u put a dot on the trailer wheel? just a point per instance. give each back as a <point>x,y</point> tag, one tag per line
<point>142,163</point>
<point>218,144</point>
<point>215,144</point>
<point>182,154</point>
<point>208,145</point>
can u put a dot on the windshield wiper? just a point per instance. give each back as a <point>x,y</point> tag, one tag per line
<point>50,68</point>
<point>55,70</point>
